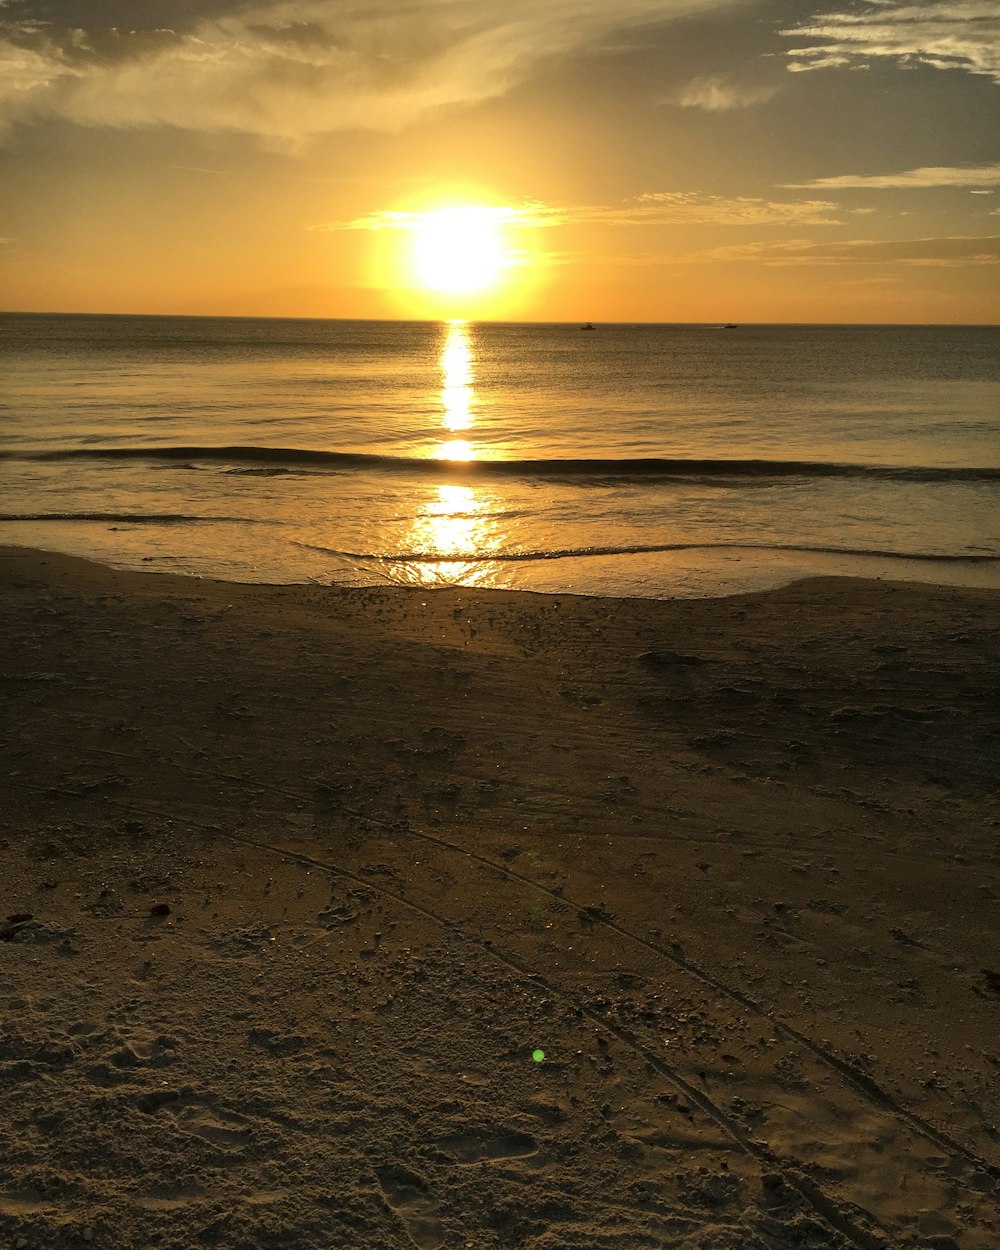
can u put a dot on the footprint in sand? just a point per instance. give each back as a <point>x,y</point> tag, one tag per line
<point>214,1124</point>
<point>475,1147</point>
<point>411,1199</point>
<point>143,1048</point>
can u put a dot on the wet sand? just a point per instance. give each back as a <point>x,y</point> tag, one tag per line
<point>297,880</point>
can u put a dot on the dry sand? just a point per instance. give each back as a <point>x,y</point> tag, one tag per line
<point>296,880</point>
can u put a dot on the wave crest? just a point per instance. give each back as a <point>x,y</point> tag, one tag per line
<point>575,553</point>
<point>670,467</point>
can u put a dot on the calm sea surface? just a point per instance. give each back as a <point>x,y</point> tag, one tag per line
<point>638,460</point>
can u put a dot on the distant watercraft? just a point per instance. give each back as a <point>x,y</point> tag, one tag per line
<point>589,325</point>
<point>730,325</point>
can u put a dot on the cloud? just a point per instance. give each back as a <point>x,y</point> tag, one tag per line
<point>655,208</point>
<point>945,34</point>
<point>392,219</point>
<point>288,69</point>
<point>942,252</point>
<point>690,208</point>
<point>716,94</point>
<point>927,176</point>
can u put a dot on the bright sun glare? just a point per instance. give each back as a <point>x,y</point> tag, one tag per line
<point>459,250</point>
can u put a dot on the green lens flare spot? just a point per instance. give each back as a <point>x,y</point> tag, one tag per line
<point>538,1055</point>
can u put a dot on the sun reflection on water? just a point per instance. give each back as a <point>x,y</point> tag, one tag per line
<point>456,520</point>
<point>457,395</point>
<point>456,449</point>
<point>453,523</point>
<point>456,530</point>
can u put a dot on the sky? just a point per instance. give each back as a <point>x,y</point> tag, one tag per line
<point>580,160</point>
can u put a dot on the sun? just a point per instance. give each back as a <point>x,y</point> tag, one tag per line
<point>455,258</point>
<point>459,250</point>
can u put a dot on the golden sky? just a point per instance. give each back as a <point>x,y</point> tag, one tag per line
<point>628,160</point>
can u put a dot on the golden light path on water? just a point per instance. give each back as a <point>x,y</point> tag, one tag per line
<point>461,518</point>
<point>457,395</point>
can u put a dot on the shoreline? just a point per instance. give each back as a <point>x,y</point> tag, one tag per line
<point>312,872</point>
<point>696,571</point>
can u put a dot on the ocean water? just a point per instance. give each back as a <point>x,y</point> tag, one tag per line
<point>656,460</point>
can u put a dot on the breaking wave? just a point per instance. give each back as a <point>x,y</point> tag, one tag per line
<point>570,553</point>
<point>124,518</point>
<point>271,459</point>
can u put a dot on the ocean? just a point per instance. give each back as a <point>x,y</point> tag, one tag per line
<point>652,460</point>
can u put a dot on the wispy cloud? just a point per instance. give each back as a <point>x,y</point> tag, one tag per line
<point>655,208</point>
<point>287,69</point>
<point>529,214</point>
<point>716,94</point>
<point>202,169</point>
<point>940,252</point>
<point>690,208</point>
<point>945,34</point>
<point>926,176</point>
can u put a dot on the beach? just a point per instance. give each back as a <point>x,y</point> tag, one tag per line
<point>381,917</point>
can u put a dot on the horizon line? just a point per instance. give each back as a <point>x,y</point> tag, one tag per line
<point>39,312</point>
